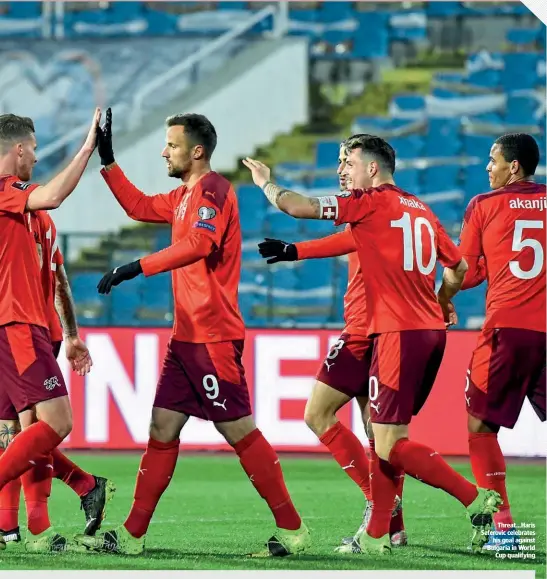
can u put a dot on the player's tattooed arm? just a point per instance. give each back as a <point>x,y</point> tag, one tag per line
<point>292,203</point>
<point>8,430</point>
<point>64,303</point>
<point>289,202</point>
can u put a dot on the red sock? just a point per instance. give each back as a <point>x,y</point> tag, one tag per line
<point>155,473</point>
<point>428,466</point>
<point>71,474</point>
<point>349,453</point>
<point>384,487</point>
<point>10,497</point>
<point>489,469</point>
<point>37,490</point>
<point>397,524</point>
<point>32,444</point>
<point>261,464</point>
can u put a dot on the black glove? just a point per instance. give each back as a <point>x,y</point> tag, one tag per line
<point>277,250</point>
<point>119,274</point>
<point>104,140</point>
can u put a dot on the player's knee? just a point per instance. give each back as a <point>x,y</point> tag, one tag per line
<point>316,420</point>
<point>162,432</point>
<point>476,426</point>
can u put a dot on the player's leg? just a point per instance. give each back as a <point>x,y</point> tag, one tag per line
<point>175,401</point>
<point>33,380</point>
<point>496,385</point>
<point>320,416</point>
<point>397,532</point>
<point>403,370</point>
<point>261,464</point>
<point>217,375</point>
<point>94,491</point>
<point>10,495</point>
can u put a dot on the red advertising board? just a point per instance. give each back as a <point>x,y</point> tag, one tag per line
<point>112,405</point>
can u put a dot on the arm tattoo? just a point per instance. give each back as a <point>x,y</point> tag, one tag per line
<point>274,192</point>
<point>7,434</point>
<point>291,202</point>
<point>64,304</point>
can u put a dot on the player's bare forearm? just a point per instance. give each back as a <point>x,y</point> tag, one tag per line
<point>64,303</point>
<point>476,272</point>
<point>51,195</point>
<point>452,281</point>
<point>292,203</point>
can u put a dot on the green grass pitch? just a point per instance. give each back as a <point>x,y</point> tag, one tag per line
<point>210,517</point>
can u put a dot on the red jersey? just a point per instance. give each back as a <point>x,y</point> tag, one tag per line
<point>355,305</point>
<point>21,295</point>
<point>45,235</point>
<point>507,227</point>
<point>398,240</point>
<point>206,291</point>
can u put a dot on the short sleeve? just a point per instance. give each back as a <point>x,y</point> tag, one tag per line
<point>56,254</point>
<point>470,236</point>
<point>447,252</point>
<point>14,195</point>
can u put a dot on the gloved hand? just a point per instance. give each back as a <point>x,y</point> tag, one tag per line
<point>104,140</point>
<point>119,274</point>
<point>277,250</point>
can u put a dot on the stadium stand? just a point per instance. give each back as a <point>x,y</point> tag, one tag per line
<point>442,136</point>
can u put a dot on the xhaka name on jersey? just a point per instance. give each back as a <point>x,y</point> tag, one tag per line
<point>412,203</point>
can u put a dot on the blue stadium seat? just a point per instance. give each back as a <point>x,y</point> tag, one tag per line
<point>442,138</point>
<point>488,78</point>
<point>521,110</point>
<point>408,180</point>
<point>162,239</point>
<point>443,9</point>
<point>409,103</point>
<point>522,36</point>
<point>314,273</point>
<point>252,210</point>
<point>409,147</point>
<point>331,183</point>
<point>440,178</point>
<point>408,26</point>
<point>326,154</point>
<point>24,9</point>
<point>371,38</point>
<point>477,146</point>
<point>448,212</point>
<point>475,181</point>
<point>520,70</point>
<point>318,227</point>
<point>277,224</point>
<point>449,77</point>
<point>301,23</point>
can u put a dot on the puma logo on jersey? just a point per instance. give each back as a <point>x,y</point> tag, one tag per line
<point>221,404</point>
<point>329,365</point>
<point>519,203</point>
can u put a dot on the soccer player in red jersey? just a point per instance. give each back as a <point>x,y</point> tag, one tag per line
<point>398,240</point>
<point>344,373</point>
<point>506,228</point>
<point>94,492</point>
<point>202,372</point>
<point>31,379</point>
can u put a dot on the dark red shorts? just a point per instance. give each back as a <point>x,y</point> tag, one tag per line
<point>508,365</point>
<point>403,369</point>
<point>56,347</point>
<point>346,366</point>
<point>30,373</point>
<point>204,380</point>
